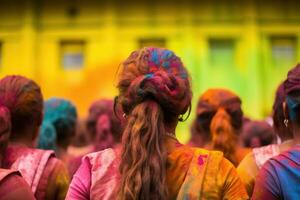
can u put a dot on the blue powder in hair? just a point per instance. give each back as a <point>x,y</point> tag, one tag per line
<point>155,57</point>
<point>183,75</point>
<point>149,75</point>
<point>166,64</point>
<point>292,105</point>
<point>167,54</point>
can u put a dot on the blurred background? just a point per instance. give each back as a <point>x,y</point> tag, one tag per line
<point>73,48</point>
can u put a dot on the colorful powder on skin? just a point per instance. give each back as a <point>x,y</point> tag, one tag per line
<point>201,159</point>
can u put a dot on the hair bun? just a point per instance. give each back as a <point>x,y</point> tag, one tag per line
<point>166,89</point>
<point>47,137</point>
<point>292,82</point>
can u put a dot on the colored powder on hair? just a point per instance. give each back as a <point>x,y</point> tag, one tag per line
<point>55,110</point>
<point>292,105</point>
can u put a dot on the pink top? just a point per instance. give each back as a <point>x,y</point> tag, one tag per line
<point>81,182</point>
<point>96,178</point>
<point>45,174</point>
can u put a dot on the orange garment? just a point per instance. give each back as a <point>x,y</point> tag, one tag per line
<point>192,173</point>
<point>241,153</point>
<point>195,173</point>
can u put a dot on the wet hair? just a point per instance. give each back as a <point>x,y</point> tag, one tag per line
<point>23,99</point>
<point>59,123</point>
<point>219,114</point>
<point>103,124</point>
<point>154,89</point>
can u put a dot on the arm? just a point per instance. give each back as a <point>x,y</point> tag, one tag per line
<point>14,187</point>
<point>247,171</point>
<point>232,186</point>
<point>81,183</point>
<point>266,185</point>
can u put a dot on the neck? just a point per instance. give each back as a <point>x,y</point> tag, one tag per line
<point>1,158</point>
<point>199,140</point>
<point>170,144</point>
<point>296,140</point>
<point>27,137</point>
<point>23,141</point>
<point>296,133</point>
<point>60,151</point>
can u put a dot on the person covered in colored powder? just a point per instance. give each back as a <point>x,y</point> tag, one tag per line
<point>12,185</point>
<point>58,128</point>
<point>257,133</point>
<point>279,177</point>
<point>219,115</point>
<point>103,126</point>
<point>154,93</point>
<point>45,174</point>
<point>250,165</point>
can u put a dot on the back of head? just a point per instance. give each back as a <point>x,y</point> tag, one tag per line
<point>219,112</point>
<point>59,123</point>
<point>292,91</point>
<point>257,133</point>
<point>24,100</point>
<point>103,125</point>
<point>81,138</point>
<point>278,115</point>
<point>154,90</point>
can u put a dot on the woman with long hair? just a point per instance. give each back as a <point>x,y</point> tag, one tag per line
<point>251,164</point>
<point>220,116</point>
<point>45,174</point>
<point>279,177</point>
<point>154,94</point>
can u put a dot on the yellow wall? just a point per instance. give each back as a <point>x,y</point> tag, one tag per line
<point>31,32</point>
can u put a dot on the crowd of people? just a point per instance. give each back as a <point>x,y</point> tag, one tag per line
<point>126,148</point>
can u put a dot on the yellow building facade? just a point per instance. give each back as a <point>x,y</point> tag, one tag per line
<point>73,48</point>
